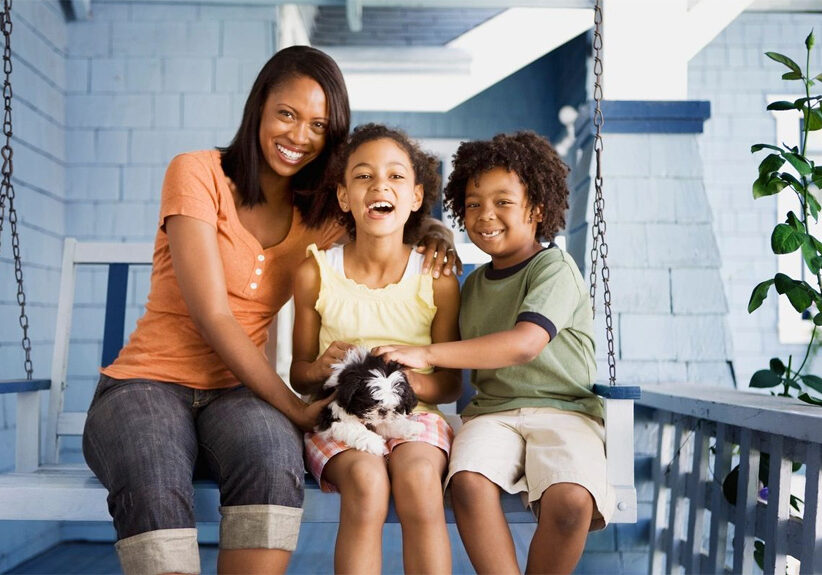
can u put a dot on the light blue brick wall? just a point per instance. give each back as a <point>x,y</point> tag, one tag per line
<point>40,80</point>
<point>735,75</point>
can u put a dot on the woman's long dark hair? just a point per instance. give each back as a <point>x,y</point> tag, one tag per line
<point>242,158</point>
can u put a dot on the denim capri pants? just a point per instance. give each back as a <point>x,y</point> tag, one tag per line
<point>143,439</point>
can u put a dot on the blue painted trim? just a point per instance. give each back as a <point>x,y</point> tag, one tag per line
<point>617,391</point>
<point>115,312</point>
<point>645,117</point>
<point>21,385</point>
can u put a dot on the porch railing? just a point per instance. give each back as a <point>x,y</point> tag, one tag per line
<point>703,434</point>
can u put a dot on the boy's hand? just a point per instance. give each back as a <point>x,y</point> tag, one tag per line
<point>411,356</point>
<point>334,354</point>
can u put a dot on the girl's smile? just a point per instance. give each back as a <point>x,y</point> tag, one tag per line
<point>380,189</point>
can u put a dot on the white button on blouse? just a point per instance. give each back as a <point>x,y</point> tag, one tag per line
<point>260,258</point>
<point>258,271</point>
<point>253,285</point>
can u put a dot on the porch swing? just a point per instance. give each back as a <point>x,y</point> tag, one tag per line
<point>41,488</point>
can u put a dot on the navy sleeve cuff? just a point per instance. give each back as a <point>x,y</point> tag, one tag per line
<point>540,320</point>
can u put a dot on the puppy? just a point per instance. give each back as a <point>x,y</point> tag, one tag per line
<point>373,400</point>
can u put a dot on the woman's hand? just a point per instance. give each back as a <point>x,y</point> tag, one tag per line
<point>306,418</point>
<point>415,357</point>
<point>437,243</point>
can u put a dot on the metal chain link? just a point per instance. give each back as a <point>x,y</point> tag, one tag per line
<point>599,249</point>
<point>7,188</point>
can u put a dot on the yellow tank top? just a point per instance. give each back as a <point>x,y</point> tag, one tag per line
<point>399,313</point>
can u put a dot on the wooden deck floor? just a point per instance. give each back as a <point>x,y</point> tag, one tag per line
<point>314,554</point>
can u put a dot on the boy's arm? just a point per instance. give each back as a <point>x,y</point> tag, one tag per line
<point>496,350</point>
<point>442,385</point>
<point>308,372</point>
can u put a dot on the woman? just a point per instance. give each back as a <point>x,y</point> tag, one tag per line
<point>193,386</point>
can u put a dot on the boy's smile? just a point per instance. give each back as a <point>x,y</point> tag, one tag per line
<point>499,219</point>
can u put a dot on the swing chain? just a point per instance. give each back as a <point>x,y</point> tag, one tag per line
<point>600,247</point>
<point>7,188</point>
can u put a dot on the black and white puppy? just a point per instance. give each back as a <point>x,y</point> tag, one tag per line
<point>373,400</point>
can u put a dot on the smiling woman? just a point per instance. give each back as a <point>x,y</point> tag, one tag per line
<point>193,384</point>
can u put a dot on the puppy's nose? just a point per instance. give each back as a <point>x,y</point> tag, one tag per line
<point>383,412</point>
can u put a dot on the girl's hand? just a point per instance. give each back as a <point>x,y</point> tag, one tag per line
<point>334,354</point>
<point>437,243</point>
<point>412,356</point>
<point>306,418</point>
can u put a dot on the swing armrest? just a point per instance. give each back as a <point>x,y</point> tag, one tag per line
<point>23,385</point>
<point>617,391</point>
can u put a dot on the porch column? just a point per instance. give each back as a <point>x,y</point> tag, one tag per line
<point>668,302</point>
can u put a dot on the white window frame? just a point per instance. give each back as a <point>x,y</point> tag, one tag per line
<point>792,328</point>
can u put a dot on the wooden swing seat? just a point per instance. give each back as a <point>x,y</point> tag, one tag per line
<point>42,488</point>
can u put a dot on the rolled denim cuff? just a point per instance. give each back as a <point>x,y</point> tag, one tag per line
<point>160,551</point>
<point>260,527</point>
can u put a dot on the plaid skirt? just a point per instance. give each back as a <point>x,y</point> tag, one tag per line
<point>320,449</point>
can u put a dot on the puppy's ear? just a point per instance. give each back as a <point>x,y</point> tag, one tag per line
<point>326,419</point>
<point>346,387</point>
<point>408,399</point>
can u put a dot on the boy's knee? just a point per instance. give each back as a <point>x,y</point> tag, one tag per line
<point>468,486</point>
<point>567,506</point>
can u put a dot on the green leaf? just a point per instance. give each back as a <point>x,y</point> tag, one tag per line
<point>792,76</point>
<point>793,384</point>
<point>767,185</point>
<point>765,378</point>
<point>808,399</point>
<point>800,298</point>
<point>800,163</point>
<point>782,283</point>
<point>817,319</point>
<point>814,206</point>
<point>795,222</point>
<point>818,77</point>
<point>795,501</point>
<point>782,59</point>
<point>758,295</point>
<point>815,120</point>
<point>810,255</point>
<point>759,553</point>
<point>785,239</point>
<point>809,41</point>
<point>777,366</point>
<point>770,164</point>
<point>757,147</point>
<point>781,105</point>
<point>812,381</point>
<point>795,184</point>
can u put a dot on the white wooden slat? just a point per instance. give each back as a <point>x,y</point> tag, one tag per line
<point>692,554</point>
<point>746,503</point>
<point>619,441</point>
<point>27,451</point>
<point>718,539</point>
<point>59,360</point>
<point>71,423</point>
<point>664,455</point>
<point>675,503</point>
<point>811,556</point>
<point>112,252</point>
<point>778,508</point>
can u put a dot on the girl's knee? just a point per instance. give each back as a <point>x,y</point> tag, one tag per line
<point>417,489</point>
<point>567,506</point>
<point>366,490</point>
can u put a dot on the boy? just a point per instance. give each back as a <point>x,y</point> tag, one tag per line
<point>535,425</point>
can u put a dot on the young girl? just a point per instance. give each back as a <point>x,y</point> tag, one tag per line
<point>368,293</point>
<point>535,425</point>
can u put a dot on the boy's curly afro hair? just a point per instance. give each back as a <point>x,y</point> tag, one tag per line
<point>426,172</point>
<point>531,158</point>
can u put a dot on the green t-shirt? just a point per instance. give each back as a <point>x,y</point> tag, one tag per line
<point>547,290</point>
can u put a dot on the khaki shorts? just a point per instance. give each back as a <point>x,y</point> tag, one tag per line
<point>528,450</point>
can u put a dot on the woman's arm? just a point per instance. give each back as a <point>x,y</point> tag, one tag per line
<point>436,242</point>
<point>198,268</point>
<point>308,372</point>
<point>442,385</point>
<point>514,346</point>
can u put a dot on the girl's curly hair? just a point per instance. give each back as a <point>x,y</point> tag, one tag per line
<point>426,172</point>
<point>531,158</point>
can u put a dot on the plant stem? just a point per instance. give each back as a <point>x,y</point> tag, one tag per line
<point>807,351</point>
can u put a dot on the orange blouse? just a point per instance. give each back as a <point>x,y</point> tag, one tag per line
<point>166,345</point>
